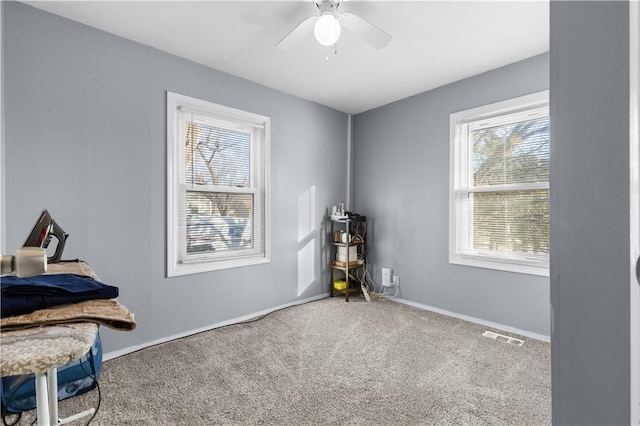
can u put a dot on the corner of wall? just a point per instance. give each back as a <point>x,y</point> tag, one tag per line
<point>349,198</point>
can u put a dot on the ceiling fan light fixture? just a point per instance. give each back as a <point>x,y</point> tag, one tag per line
<point>327,29</point>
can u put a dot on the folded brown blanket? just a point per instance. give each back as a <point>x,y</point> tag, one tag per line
<point>78,268</point>
<point>107,312</point>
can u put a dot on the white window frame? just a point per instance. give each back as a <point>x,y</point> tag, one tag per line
<point>460,122</point>
<point>226,117</point>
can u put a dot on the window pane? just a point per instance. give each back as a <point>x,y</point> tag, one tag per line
<point>516,221</point>
<point>216,156</point>
<point>513,153</point>
<point>219,222</point>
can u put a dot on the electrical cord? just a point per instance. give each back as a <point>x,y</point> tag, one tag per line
<point>5,406</point>
<point>95,381</point>
<point>370,281</point>
<point>249,321</point>
<point>6,413</point>
<point>93,377</point>
<point>381,292</point>
<point>394,294</point>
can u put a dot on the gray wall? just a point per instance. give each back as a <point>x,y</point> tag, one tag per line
<point>590,212</point>
<point>401,180</point>
<point>85,138</point>
<point>2,162</point>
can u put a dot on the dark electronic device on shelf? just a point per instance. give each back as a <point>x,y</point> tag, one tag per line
<point>355,216</point>
<point>41,234</point>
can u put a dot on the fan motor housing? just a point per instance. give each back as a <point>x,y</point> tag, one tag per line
<point>328,5</point>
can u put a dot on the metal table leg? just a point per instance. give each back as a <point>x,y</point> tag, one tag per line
<point>42,400</point>
<point>52,387</point>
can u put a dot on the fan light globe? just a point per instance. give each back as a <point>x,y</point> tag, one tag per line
<point>327,30</point>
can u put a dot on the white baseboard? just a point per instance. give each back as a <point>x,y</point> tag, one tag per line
<point>491,324</point>
<point>130,349</point>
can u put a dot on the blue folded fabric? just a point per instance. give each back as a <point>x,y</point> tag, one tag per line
<point>25,295</point>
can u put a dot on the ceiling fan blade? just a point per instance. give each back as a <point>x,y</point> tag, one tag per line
<point>298,33</point>
<point>369,32</point>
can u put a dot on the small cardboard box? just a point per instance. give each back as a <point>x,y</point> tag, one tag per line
<point>341,255</point>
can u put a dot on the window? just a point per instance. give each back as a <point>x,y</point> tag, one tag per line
<point>217,186</point>
<point>499,198</point>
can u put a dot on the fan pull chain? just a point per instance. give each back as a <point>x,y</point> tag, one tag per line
<point>335,51</point>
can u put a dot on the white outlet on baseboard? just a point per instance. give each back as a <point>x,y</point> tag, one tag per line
<point>386,277</point>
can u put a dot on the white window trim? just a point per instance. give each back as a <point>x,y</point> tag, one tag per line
<point>175,154</point>
<point>533,266</point>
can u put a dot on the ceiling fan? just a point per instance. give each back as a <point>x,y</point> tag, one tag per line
<point>327,27</point>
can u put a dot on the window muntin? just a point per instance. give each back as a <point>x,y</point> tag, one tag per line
<point>500,186</point>
<point>217,186</point>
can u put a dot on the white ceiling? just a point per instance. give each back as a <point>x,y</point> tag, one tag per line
<point>434,43</point>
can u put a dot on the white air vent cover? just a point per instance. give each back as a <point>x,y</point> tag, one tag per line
<point>503,338</point>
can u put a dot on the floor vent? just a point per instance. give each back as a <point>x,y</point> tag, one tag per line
<point>503,338</point>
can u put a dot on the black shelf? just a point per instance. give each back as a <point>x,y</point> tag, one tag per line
<point>355,227</point>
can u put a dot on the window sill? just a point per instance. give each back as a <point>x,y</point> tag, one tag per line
<point>179,269</point>
<point>542,271</point>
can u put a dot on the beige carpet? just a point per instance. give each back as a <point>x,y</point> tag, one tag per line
<point>329,362</point>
